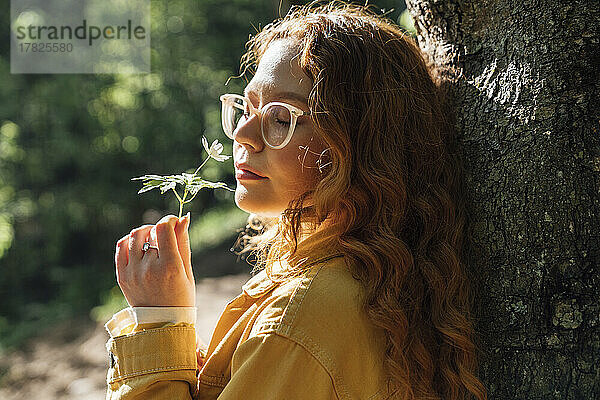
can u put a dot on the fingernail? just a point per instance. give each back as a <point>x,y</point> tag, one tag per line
<point>187,216</point>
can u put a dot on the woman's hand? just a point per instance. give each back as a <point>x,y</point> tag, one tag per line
<point>160,277</point>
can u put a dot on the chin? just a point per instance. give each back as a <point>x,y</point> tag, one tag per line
<point>255,205</point>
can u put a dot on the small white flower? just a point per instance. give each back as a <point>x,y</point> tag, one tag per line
<point>214,150</point>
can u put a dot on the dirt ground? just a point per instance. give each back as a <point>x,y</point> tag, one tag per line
<point>70,360</point>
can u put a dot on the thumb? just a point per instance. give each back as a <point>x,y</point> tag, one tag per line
<point>183,243</point>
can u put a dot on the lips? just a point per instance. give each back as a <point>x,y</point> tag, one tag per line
<point>247,175</point>
<point>246,168</point>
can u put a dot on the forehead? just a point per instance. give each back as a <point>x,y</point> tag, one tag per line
<point>279,71</point>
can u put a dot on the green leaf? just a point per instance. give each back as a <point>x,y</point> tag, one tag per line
<point>199,184</point>
<point>146,188</point>
<point>175,178</point>
<point>148,177</point>
<point>167,187</point>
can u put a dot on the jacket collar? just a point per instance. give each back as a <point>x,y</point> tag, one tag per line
<point>260,284</point>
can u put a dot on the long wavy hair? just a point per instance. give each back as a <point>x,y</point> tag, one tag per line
<point>390,194</point>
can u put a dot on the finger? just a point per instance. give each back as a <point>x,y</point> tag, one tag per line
<point>152,240</point>
<point>137,237</point>
<point>167,241</point>
<point>121,255</point>
<point>122,251</point>
<point>183,243</point>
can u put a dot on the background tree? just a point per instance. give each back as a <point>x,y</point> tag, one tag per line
<point>524,80</point>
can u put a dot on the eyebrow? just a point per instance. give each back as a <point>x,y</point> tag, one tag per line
<point>283,95</point>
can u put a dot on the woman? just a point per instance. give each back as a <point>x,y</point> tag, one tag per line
<point>341,147</point>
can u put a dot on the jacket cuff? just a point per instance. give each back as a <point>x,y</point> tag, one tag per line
<point>151,351</point>
<point>132,319</point>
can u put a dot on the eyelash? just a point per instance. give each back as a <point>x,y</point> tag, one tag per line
<point>284,123</point>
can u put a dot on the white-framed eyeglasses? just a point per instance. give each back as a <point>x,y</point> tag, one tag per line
<point>277,120</point>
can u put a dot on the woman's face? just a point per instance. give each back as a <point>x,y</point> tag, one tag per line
<point>289,171</point>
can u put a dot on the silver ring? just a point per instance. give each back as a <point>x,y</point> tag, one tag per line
<point>147,246</point>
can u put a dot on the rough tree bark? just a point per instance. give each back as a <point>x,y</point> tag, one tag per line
<point>523,77</point>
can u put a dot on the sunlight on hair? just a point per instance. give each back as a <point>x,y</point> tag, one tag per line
<point>390,197</point>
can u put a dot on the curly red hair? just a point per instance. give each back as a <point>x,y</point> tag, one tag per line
<point>392,189</point>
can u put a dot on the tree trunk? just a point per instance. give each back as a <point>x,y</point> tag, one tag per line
<point>523,79</point>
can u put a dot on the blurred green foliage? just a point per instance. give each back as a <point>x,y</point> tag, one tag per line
<point>69,145</point>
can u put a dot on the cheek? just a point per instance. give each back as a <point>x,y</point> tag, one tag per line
<point>314,158</point>
<point>297,165</point>
<point>296,169</point>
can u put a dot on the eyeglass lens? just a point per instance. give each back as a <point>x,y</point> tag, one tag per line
<point>276,121</point>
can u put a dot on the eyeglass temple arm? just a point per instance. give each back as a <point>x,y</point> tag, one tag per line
<point>296,111</point>
<point>302,113</point>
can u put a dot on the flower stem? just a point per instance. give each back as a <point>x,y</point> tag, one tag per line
<point>191,198</point>
<point>176,194</point>
<point>202,165</point>
<point>182,202</point>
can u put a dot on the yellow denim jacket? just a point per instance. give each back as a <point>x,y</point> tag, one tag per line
<point>307,338</point>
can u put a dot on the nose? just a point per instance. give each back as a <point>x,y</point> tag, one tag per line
<point>248,134</point>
